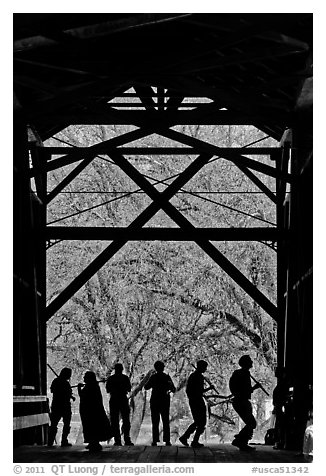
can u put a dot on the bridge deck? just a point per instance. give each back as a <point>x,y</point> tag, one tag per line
<point>219,453</point>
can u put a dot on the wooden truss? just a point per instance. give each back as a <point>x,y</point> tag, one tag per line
<point>118,151</point>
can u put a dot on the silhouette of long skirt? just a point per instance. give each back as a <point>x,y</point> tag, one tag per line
<point>96,425</point>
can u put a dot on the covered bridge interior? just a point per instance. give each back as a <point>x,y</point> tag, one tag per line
<point>229,69</point>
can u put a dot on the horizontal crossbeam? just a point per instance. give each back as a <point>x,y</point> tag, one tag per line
<point>235,157</point>
<point>74,154</point>
<point>155,106</point>
<point>159,150</point>
<point>161,234</point>
<point>191,117</point>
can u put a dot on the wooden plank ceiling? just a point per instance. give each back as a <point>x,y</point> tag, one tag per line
<point>75,69</point>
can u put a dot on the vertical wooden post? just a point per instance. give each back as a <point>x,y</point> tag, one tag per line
<point>39,159</point>
<point>282,212</point>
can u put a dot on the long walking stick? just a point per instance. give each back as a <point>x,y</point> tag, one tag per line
<point>55,373</point>
<point>217,395</point>
<point>260,385</point>
<point>98,381</point>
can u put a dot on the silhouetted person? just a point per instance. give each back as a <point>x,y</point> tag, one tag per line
<point>61,407</point>
<point>241,389</point>
<point>96,425</point>
<point>161,385</point>
<point>280,398</point>
<point>118,386</point>
<point>195,392</point>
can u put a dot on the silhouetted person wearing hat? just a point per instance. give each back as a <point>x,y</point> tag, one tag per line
<point>96,425</point>
<point>161,385</point>
<point>118,386</point>
<point>241,389</point>
<point>61,407</point>
<point>195,392</point>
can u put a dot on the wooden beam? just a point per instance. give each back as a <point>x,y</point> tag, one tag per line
<point>144,95</point>
<point>93,30</point>
<point>49,132</point>
<point>154,126</point>
<point>198,90</point>
<point>257,182</point>
<point>107,147</point>
<point>274,131</point>
<point>37,65</point>
<point>29,398</point>
<point>71,95</point>
<point>68,179</point>
<point>253,55</point>
<point>250,102</point>
<point>305,98</point>
<point>167,105</point>
<point>201,115</point>
<point>78,153</point>
<point>28,421</point>
<point>89,154</point>
<point>39,165</point>
<point>31,83</point>
<point>283,247</point>
<point>101,148</point>
<point>161,234</point>
<point>234,157</point>
<point>173,102</point>
<point>160,99</point>
<point>168,94</point>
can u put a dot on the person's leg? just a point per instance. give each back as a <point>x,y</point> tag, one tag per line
<point>199,414</point>
<point>244,410</point>
<point>189,431</point>
<point>125,414</point>
<point>165,415</point>
<point>183,438</point>
<point>55,417</point>
<point>114,416</point>
<point>191,428</point>
<point>66,427</point>
<point>279,430</point>
<point>155,416</point>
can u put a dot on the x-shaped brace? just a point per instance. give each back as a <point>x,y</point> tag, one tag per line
<point>161,201</point>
